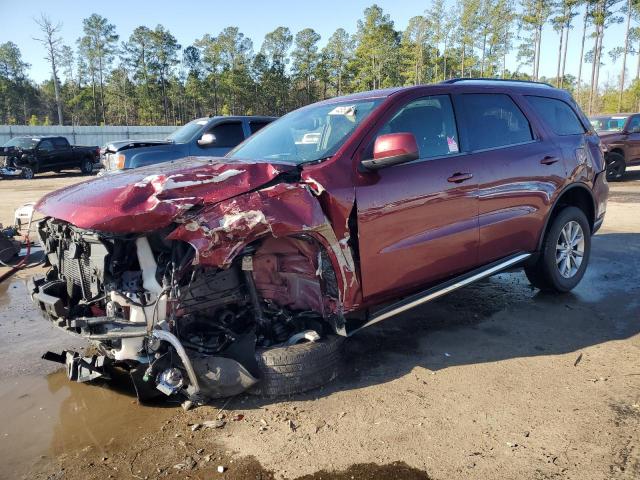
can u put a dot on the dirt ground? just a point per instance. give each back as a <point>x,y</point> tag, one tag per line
<point>495,381</point>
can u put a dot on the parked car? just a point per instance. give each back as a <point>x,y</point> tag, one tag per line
<point>34,155</point>
<point>210,137</point>
<point>215,275</point>
<point>620,137</point>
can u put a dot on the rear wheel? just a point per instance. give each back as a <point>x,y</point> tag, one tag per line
<point>86,166</point>
<point>298,368</point>
<point>565,253</point>
<point>616,166</point>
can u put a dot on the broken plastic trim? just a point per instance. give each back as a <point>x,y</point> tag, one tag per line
<point>173,340</point>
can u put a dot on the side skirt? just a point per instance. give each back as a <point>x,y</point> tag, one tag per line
<point>442,289</point>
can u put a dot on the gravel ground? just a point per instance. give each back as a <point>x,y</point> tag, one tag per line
<point>494,381</point>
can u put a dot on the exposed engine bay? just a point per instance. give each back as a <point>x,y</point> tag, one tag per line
<point>174,324</point>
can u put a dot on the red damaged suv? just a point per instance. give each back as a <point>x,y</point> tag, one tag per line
<point>207,277</point>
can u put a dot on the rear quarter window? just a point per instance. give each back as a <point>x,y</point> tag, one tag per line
<point>558,115</point>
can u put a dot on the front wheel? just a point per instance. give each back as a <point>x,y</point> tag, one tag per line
<point>291,369</point>
<point>86,166</point>
<point>616,167</point>
<point>28,172</point>
<point>565,253</point>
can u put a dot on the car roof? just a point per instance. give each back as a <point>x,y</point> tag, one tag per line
<point>236,117</point>
<point>461,84</point>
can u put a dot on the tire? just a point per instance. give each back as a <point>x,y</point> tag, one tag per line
<point>559,268</point>
<point>86,166</point>
<point>616,167</point>
<point>298,368</point>
<point>28,172</point>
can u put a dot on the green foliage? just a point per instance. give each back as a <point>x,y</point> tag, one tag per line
<point>149,78</point>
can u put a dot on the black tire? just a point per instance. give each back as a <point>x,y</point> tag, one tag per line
<point>546,274</point>
<point>616,167</point>
<point>29,171</point>
<point>298,368</point>
<point>86,166</point>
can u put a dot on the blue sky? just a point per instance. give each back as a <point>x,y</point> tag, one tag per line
<point>188,20</point>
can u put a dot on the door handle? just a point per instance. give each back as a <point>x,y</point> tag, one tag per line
<point>549,160</point>
<point>459,177</point>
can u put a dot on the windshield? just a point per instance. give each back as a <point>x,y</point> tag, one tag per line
<point>613,123</point>
<point>308,134</point>
<point>22,142</point>
<point>186,132</point>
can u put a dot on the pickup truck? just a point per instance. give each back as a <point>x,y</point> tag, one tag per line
<point>32,155</point>
<point>620,139</point>
<point>204,137</point>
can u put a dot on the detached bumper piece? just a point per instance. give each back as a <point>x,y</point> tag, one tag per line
<point>80,369</point>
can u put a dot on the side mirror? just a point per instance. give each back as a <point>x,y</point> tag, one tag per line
<point>392,149</point>
<point>207,139</point>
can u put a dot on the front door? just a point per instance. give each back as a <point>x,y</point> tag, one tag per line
<point>227,135</point>
<point>418,221</point>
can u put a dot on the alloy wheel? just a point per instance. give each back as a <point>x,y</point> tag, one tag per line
<point>570,249</point>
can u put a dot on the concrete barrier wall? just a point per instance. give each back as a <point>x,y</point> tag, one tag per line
<point>86,135</point>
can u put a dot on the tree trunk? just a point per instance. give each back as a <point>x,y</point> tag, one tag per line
<point>559,57</point>
<point>593,69</point>
<point>599,56</point>
<point>462,63</point>
<point>584,35</point>
<point>537,55</point>
<point>56,85</point>
<point>624,55</point>
<point>104,117</point>
<point>564,54</point>
<point>444,57</point>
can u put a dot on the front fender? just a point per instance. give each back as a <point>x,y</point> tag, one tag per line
<point>220,232</point>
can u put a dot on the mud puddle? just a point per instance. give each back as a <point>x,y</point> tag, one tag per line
<point>43,417</point>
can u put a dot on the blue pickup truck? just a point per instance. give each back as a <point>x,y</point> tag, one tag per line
<point>209,136</point>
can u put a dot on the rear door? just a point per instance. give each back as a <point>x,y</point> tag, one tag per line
<point>418,221</point>
<point>633,138</point>
<point>46,155</point>
<point>63,153</point>
<point>518,170</point>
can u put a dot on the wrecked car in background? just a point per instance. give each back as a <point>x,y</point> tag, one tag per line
<point>211,276</point>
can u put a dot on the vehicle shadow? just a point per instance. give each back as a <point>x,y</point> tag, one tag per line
<point>497,319</point>
<point>501,318</point>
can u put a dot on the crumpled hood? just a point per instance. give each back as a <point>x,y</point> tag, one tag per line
<point>150,198</point>
<point>120,145</point>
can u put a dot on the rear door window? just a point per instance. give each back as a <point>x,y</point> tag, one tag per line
<point>255,126</point>
<point>60,143</point>
<point>45,146</point>
<point>493,120</point>
<point>432,122</point>
<point>227,134</point>
<point>560,117</point>
<point>634,124</point>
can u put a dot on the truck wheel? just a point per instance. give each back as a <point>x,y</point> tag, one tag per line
<point>616,166</point>
<point>565,253</point>
<point>298,368</point>
<point>86,166</point>
<point>28,172</point>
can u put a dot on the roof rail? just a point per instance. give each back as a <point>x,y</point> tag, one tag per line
<point>486,79</point>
